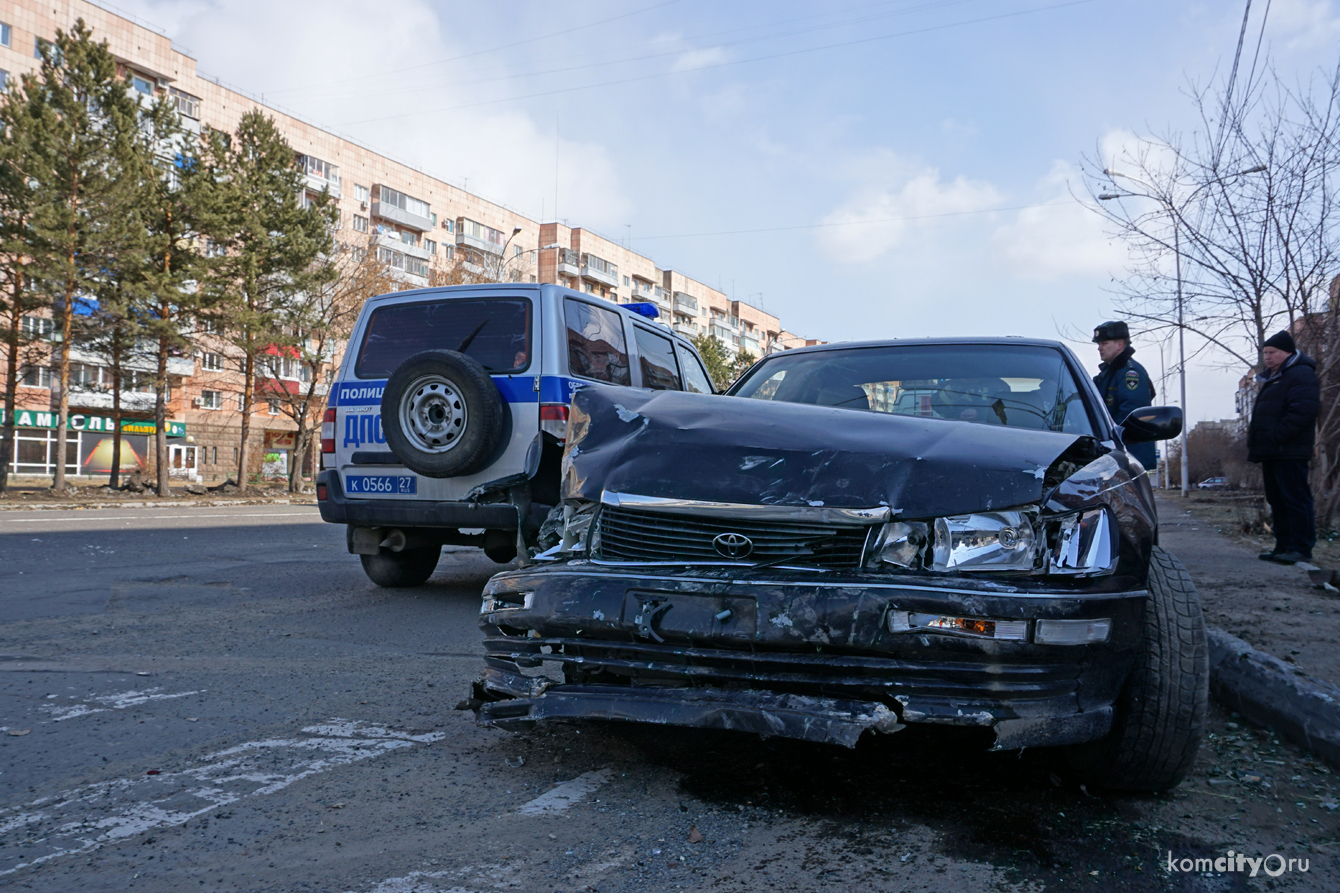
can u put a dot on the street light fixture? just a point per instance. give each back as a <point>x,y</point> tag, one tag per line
<point>1177,255</point>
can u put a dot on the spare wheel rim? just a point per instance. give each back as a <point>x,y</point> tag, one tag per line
<point>433,414</point>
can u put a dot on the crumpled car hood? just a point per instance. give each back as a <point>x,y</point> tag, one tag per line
<point>734,449</point>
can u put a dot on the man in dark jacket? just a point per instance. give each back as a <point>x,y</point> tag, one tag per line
<point>1124,383</point>
<point>1283,427</point>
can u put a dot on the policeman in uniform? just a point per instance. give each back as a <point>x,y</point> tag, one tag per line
<point>1124,383</point>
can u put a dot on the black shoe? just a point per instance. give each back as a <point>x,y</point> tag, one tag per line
<point>1267,556</point>
<point>1289,557</point>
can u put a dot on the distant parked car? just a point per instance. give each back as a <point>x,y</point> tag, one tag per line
<point>1213,484</point>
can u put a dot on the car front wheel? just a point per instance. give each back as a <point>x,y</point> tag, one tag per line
<point>1160,715</point>
<point>395,570</point>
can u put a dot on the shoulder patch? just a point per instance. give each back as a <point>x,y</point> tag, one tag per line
<point>1132,379</point>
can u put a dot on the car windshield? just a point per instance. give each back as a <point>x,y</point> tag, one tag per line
<point>495,332</point>
<point>1019,386</point>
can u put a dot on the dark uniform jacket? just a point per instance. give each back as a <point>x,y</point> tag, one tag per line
<point>1126,386</point>
<point>1284,419</point>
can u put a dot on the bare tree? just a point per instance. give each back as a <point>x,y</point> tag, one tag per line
<point>319,322</point>
<point>1233,231</point>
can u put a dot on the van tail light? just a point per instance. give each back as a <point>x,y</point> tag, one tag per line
<point>322,494</point>
<point>554,420</point>
<point>328,432</point>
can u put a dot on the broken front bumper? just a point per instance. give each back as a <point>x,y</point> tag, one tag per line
<point>821,657</point>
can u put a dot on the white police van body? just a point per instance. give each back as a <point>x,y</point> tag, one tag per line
<point>446,422</point>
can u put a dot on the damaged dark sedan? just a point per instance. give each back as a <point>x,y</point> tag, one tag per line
<point>856,538</point>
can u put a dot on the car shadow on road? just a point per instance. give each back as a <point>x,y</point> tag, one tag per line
<point>1014,810</point>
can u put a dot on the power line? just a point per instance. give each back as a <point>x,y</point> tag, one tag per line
<point>506,46</point>
<point>804,226</point>
<point>939,4</point>
<point>831,46</point>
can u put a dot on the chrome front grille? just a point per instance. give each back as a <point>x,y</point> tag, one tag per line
<point>625,535</point>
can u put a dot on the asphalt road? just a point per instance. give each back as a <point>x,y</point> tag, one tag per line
<point>217,699</point>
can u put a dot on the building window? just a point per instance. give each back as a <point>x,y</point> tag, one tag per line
<point>142,84</point>
<point>361,193</point>
<point>431,246</point>
<point>213,249</point>
<point>449,225</point>
<point>474,230</point>
<point>5,34</point>
<point>625,282</point>
<point>274,407</point>
<point>242,402</point>
<point>360,254</point>
<point>408,237</point>
<point>234,455</point>
<point>388,196</point>
<point>36,377</point>
<point>449,251</point>
<point>360,224</point>
<point>211,362</point>
<point>188,106</point>
<point>211,399</point>
<point>37,327</point>
<point>38,46</point>
<point>434,217</point>
<point>4,79</point>
<point>322,170</point>
<point>209,326</point>
<point>516,251</point>
<point>215,459</point>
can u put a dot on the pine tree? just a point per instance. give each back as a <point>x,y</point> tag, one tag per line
<point>17,297</point>
<point>718,361</point>
<point>84,124</point>
<point>272,243</point>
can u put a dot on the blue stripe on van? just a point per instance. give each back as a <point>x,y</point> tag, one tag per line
<point>517,389</point>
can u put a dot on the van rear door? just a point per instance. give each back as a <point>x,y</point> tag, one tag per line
<point>500,331</point>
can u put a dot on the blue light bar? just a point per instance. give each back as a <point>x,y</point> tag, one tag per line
<point>650,311</point>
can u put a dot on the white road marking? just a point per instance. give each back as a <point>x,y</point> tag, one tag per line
<point>566,794</point>
<point>119,701</point>
<point>495,877</point>
<point>85,818</point>
<point>155,517</point>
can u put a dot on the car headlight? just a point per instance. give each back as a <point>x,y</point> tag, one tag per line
<point>984,541</point>
<point>1085,544</point>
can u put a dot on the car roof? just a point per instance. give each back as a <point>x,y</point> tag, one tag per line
<point>532,286</point>
<point>1011,340</point>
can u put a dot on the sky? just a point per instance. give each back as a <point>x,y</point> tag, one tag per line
<point>861,169</point>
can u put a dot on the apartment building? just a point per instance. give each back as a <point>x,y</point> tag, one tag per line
<point>418,224</point>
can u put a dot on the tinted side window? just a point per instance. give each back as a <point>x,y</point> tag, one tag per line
<point>495,332</point>
<point>596,345</point>
<point>695,377</point>
<point>659,371</point>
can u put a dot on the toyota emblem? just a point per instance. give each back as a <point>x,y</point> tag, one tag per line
<point>733,545</point>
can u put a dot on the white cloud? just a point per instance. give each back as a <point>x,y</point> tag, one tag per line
<point>1059,237</point>
<point>694,59</point>
<point>309,57</point>
<point>893,202</point>
<point>1304,24</point>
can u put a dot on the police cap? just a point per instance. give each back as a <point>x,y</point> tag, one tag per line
<point>1112,330</point>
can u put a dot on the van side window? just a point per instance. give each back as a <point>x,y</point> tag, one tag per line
<point>695,377</point>
<point>659,370</point>
<point>597,348</point>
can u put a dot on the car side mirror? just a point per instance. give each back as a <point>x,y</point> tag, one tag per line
<point>1150,423</point>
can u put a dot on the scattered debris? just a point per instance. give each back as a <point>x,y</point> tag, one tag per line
<point>695,836</point>
<point>18,733</point>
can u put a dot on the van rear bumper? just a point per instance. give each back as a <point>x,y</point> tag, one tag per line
<point>339,509</point>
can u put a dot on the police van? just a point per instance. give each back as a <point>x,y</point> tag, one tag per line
<point>446,423</point>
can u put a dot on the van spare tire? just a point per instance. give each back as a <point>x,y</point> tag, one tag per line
<point>442,414</point>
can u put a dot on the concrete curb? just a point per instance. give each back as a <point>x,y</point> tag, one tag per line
<point>169,502</point>
<point>1271,693</point>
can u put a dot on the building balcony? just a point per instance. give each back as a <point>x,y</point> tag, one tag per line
<point>685,302</point>
<point>395,243</point>
<point>134,401</point>
<point>687,329</point>
<point>569,263</point>
<point>317,184</point>
<point>595,273</point>
<point>397,215</point>
<point>726,336</point>
<point>467,241</point>
<point>749,343</point>
<point>183,366</point>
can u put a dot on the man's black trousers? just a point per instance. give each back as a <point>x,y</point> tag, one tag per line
<point>1290,501</point>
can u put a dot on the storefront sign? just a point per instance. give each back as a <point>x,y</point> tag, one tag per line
<point>280,440</point>
<point>32,418</point>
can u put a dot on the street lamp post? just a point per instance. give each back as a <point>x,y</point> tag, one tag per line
<point>1177,259</point>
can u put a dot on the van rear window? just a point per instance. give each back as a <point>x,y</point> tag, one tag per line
<point>494,332</point>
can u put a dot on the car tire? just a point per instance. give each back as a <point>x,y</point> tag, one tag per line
<point>396,570</point>
<point>442,414</point>
<point>1160,714</point>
